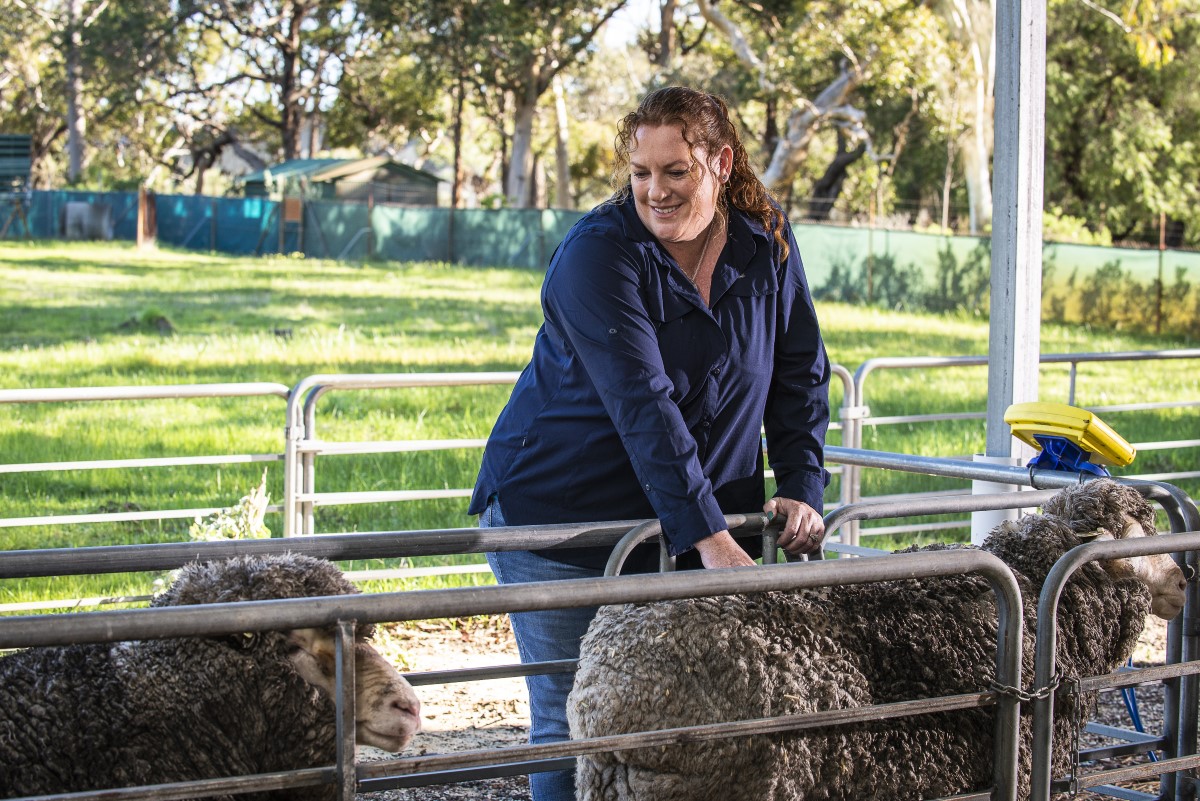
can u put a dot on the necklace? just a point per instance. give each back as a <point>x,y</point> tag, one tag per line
<point>703,252</point>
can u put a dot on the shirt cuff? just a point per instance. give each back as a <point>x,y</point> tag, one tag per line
<point>806,487</point>
<point>699,520</point>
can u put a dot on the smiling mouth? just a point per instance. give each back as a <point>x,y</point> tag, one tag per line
<point>665,210</point>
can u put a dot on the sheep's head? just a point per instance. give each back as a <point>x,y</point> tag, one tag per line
<point>1104,509</point>
<point>386,707</point>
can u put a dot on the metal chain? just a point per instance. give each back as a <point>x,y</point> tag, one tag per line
<point>1023,696</point>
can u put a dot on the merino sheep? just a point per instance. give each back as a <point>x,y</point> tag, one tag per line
<point>86,717</point>
<point>671,664</point>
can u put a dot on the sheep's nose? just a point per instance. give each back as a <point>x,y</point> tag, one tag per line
<point>408,707</point>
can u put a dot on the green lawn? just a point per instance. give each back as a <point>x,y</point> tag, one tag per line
<point>77,315</point>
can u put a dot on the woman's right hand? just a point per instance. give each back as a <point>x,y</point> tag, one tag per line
<point>720,550</point>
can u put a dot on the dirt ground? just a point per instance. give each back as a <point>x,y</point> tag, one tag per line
<point>495,713</point>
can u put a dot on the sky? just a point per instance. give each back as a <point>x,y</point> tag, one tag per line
<point>625,24</point>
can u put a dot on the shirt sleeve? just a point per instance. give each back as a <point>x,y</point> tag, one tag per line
<point>592,298</point>
<point>797,413</point>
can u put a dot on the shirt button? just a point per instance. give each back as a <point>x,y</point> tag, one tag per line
<point>716,371</point>
<point>706,423</point>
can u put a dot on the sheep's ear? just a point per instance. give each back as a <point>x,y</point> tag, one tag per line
<point>1098,535</point>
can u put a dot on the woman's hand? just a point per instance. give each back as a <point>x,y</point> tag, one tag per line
<point>803,531</point>
<point>720,550</point>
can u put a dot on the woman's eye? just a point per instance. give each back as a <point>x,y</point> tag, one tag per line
<point>641,176</point>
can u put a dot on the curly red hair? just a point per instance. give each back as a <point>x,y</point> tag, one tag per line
<point>704,121</point>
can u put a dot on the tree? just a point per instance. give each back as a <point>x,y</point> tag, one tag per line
<point>291,52</point>
<point>75,69</point>
<point>1140,158</point>
<point>837,48</point>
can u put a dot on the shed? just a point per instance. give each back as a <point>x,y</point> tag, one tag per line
<point>378,178</point>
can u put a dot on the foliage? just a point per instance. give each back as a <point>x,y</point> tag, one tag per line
<point>879,281</point>
<point>1138,159</point>
<point>962,287</point>
<point>243,521</point>
<point>1060,227</point>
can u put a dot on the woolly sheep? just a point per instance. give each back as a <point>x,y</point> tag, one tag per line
<point>671,664</point>
<point>87,717</point>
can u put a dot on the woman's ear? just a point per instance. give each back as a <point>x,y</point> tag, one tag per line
<point>724,164</point>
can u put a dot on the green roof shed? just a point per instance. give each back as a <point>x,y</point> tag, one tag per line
<point>379,178</point>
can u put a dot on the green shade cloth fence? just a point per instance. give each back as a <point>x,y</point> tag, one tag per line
<point>1147,290</point>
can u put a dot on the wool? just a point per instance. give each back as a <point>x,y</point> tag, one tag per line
<point>682,663</point>
<point>94,716</point>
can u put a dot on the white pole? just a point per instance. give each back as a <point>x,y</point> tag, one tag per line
<point>1017,181</point>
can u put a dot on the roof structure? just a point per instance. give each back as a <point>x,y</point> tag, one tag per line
<point>331,169</point>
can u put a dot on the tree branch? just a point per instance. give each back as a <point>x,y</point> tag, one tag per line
<point>737,40</point>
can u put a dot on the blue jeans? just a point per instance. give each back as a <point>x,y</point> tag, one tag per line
<point>541,637</point>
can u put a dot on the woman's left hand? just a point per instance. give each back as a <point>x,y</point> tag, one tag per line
<point>803,530</point>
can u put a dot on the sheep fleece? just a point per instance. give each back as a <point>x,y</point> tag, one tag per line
<point>680,663</point>
<point>122,714</point>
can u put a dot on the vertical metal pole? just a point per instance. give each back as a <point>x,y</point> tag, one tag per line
<point>293,432</point>
<point>308,465</point>
<point>344,677</point>
<point>1011,618</point>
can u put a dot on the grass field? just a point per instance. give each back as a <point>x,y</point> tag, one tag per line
<point>75,315</point>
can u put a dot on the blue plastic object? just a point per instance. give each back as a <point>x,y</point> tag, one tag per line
<point>1059,453</point>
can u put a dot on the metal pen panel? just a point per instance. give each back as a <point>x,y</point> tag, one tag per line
<point>1044,684</point>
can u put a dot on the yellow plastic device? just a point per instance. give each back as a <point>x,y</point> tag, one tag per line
<point>1046,426</point>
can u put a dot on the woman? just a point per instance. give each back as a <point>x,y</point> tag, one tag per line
<point>678,321</point>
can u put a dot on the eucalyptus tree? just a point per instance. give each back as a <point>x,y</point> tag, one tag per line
<point>285,58</point>
<point>505,56</point>
<point>812,63</point>
<point>1123,118</point>
<point>74,70</point>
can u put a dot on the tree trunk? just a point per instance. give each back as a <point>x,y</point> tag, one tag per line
<point>562,184</point>
<point>666,35</point>
<point>521,161</point>
<point>826,190</point>
<point>289,90</point>
<point>971,24</point>
<point>802,125</point>
<point>76,124</point>
<point>456,186</point>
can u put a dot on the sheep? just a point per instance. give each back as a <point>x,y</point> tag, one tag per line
<point>87,717</point>
<point>672,664</point>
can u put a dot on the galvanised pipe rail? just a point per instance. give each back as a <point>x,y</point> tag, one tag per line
<point>300,458</point>
<point>929,362</point>
<point>1044,684</point>
<point>301,426</point>
<point>218,619</point>
<point>334,547</point>
<point>1073,359</point>
<point>134,393</point>
<point>863,510</point>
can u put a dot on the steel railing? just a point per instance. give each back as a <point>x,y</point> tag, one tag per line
<point>302,444</point>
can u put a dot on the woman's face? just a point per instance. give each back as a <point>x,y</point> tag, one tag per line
<point>675,189</point>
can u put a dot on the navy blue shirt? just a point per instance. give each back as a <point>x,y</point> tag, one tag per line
<point>641,401</point>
